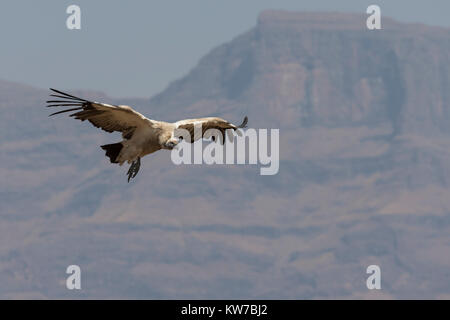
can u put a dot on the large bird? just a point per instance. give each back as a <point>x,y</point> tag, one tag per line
<point>141,136</point>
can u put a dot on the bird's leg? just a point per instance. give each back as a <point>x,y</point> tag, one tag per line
<point>134,169</point>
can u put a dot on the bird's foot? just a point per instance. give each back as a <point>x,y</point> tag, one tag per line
<point>134,169</point>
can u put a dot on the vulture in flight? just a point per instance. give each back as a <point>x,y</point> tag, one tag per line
<point>141,136</point>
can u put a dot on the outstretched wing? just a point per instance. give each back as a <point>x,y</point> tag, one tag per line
<point>105,116</point>
<point>206,124</point>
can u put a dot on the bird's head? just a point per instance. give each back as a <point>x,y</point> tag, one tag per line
<point>172,142</point>
<point>170,139</point>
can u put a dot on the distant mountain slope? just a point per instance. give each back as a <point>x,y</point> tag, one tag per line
<point>364,176</point>
<point>325,69</point>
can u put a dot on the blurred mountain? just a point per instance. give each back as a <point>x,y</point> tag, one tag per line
<point>364,175</point>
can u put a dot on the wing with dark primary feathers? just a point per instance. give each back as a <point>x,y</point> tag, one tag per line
<point>206,124</point>
<point>105,116</point>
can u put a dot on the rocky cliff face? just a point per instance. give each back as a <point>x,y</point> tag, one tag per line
<point>364,174</point>
<point>326,69</point>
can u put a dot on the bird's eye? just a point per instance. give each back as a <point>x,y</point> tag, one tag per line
<point>180,138</point>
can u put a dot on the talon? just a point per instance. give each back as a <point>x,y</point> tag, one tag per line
<point>134,169</point>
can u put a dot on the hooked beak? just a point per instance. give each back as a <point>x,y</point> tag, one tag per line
<point>170,145</point>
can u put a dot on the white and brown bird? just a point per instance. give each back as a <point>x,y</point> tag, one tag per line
<point>141,136</point>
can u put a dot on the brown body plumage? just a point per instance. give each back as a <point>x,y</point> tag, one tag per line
<point>141,136</point>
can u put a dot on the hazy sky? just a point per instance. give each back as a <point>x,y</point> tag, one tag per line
<point>135,48</point>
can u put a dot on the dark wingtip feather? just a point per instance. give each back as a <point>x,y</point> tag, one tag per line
<point>68,101</point>
<point>61,101</point>
<point>64,97</point>
<point>244,123</point>
<point>80,108</point>
<point>67,95</point>
<point>65,105</point>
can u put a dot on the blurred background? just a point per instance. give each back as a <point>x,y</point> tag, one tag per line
<point>364,173</point>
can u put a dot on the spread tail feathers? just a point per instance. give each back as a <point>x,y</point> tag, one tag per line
<point>112,151</point>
